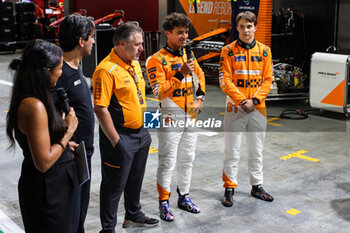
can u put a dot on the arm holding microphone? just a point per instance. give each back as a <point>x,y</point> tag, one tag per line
<point>70,119</point>
<point>68,114</point>
<point>187,68</point>
<point>33,122</point>
<point>197,77</point>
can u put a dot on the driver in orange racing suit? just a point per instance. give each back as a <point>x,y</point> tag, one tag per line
<point>171,74</point>
<point>245,76</point>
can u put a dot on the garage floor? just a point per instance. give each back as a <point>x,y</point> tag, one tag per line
<point>306,169</point>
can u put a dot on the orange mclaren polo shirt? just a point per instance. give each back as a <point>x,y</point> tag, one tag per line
<point>121,88</point>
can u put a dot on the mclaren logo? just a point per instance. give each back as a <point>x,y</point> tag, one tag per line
<point>329,74</point>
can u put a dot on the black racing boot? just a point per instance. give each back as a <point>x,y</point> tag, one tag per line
<point>228,197</point>
<point>259,192</point>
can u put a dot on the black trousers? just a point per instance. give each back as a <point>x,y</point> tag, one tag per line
<point>123,169</point>
<point>82,203</point>
<point>46,200</point>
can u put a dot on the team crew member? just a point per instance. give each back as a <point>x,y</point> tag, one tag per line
<point>119,100</point>
<point>76,38</point>
<point>245,76</point>
<point>171,74</point>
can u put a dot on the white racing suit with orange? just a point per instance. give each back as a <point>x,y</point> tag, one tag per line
<point>176,140</point>
<point>245,73</point>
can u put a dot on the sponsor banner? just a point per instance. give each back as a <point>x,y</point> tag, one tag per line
<point>240,6</point>
<point>209,14</point>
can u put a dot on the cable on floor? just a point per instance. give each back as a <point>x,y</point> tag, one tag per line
<point>294,114</point>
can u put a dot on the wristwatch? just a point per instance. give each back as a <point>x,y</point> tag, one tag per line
<point>256,101</point>
<point>202,97</point>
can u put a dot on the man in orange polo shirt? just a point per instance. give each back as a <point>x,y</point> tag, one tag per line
<point>245,76</point>
<point>119,102</point>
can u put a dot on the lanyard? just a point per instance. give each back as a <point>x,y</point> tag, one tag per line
<point>133,73</point>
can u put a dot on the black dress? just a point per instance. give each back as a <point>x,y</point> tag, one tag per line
<point>46,199</point>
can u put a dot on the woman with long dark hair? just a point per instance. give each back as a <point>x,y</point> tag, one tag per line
<point>48,177</point>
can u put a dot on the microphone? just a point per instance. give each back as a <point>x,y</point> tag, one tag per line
<point>195,79</point>
<point>188,52</point>
<point>63,99</point>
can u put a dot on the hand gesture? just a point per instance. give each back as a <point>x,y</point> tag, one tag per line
<point>247,105</point>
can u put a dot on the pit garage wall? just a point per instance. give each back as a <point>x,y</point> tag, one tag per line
<point>321,29</point>
<point>319,18</point>
<point>343,25</point>
<point>145,12</point>
<point>320,22</point>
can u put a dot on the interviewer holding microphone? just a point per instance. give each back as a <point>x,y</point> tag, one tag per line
<point>48,180</point>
